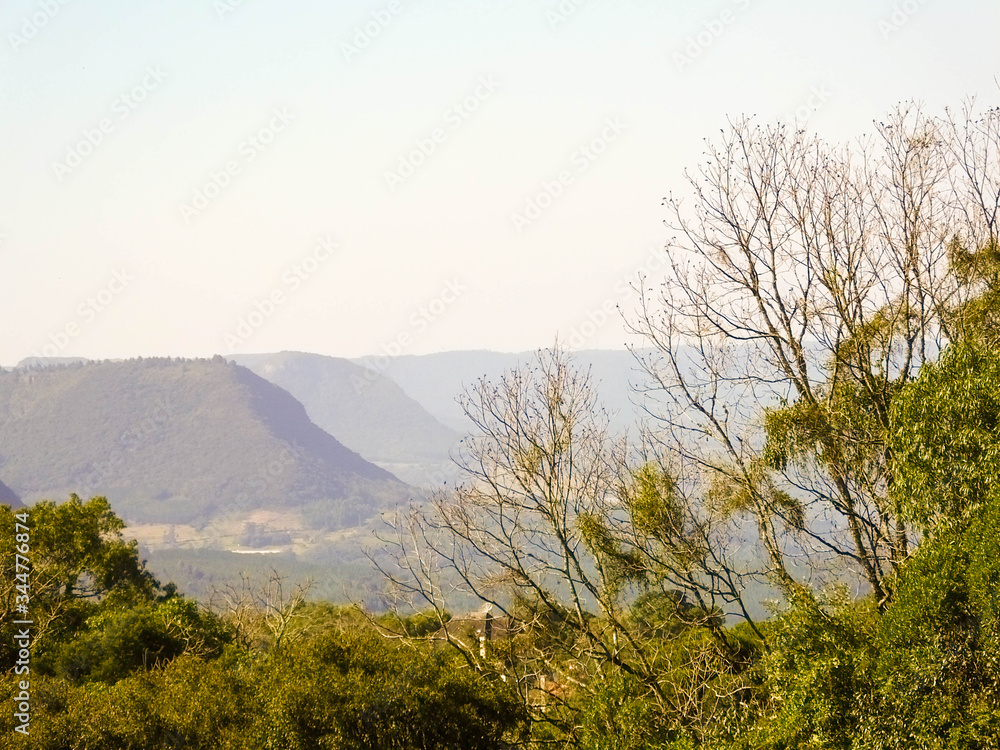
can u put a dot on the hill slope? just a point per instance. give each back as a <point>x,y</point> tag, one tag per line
<point>9,497</point>
<point>180,441</point>
<point>364,410</point>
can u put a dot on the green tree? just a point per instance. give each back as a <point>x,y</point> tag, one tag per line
<point>358,691</point>
<point>815,675</point>
<point>938,672</point>
<point>809,282</point>
<point>78,556</point>
<point>944,437</point>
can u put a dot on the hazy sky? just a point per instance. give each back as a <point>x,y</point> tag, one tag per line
<point>194,177</point>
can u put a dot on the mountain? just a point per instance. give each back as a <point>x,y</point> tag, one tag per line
<point>363,409</point>
<point>9,497</point>
<point>180,442</point>
<point>436,380</point>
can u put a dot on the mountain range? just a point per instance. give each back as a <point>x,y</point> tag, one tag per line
<point>180,442</point>
<point>283,459</point>
<point>366,411</point>
<point>436,380</point>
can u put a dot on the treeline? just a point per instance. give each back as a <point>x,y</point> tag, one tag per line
<point>824,418</point>
<point>118,661</point>
<point>607,650</point>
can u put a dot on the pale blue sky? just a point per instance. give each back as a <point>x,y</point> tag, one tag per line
<point>434,261</point>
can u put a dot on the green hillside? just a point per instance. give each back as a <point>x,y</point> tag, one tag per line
<point>180,441</point>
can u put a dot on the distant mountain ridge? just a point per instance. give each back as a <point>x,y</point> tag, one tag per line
<point>436,380</point>
<point>43,362</point>
<point>363,409</point>
<point>180,441</point>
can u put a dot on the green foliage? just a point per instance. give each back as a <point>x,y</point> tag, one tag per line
<point>78,556</point>
<point>813,674</point>
<point>77,549</point>
<point>845,429</point>
<point>945,435</point>
<point>938,673</point>
<point>617,564</point>
<point>653,503</point>
<point>359,691</point>
<point>793,430</point>
<point>120,638</point>
<point>191,704</point>
<point>663,613</point>
<point>417,625</point>
<point>977,319</point>
<point>937,681</point>
<point>656,511</point>
<point>114,644</point>
<point>620,715</point>
<point>350,689</point>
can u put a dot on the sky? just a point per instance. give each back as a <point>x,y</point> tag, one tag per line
<point>195,177</point>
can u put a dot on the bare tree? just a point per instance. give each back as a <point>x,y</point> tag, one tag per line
<point>807,284</point>
<point>262,613</point>
<point>542,530</point>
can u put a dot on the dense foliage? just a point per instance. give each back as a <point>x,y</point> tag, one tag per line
<point>123,663</point>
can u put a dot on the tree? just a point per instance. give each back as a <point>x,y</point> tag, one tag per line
<point>808,284</point>
<point>358,690</point>
<point>262,614</point>
<point>549,531</point>
<point>937,679</point>
<point>944,437</point>
<point>78,556</point>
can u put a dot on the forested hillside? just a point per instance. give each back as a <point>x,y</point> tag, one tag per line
<point>179,441</point>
